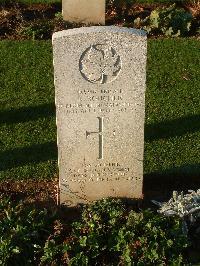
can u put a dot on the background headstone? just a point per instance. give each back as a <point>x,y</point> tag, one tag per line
<point>84,11</point>
<point>100,77</point>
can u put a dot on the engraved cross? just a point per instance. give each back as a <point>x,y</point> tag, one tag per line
<point>100,133</point>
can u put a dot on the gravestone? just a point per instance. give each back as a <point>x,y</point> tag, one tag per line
<point>100,103</point>
<point>84,11</point>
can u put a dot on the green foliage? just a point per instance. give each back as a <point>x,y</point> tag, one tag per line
<point>169,21</point>
<point>23,231</point>
<point>38,30</point>
<point>59,16</point>
<point>108,235</point>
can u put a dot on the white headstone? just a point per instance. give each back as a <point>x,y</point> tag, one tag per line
<point>100,77</point>
<point>84,11</point>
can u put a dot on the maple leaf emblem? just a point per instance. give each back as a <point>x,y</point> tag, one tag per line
<point>100,65</point>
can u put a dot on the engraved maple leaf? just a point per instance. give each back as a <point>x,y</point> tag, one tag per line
<point>100,64</point>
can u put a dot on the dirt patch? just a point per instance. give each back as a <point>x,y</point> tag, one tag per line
<point>44,193</point>
<point>20,21</point>
<point>30,191</point>
<point>39,21</point>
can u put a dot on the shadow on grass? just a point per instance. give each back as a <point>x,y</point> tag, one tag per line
<point>22,156</point>
<point>172,128</point>
<point>48,151</point>
<point>26,114</point>
<point>162,184</point>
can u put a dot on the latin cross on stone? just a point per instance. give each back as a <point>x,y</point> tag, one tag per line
<point>100,133</point>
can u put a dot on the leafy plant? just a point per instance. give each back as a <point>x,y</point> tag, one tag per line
<point>38,30</point>
<point>23,232</point>
<point>58,15</point>
<point>109,235</point>
<point>169,21</point>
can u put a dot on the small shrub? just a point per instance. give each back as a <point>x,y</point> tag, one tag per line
<point>23,232</point>
<point>38,30</point>
<point>108,235</point>
<point>169,21</point>
<point>58,15</point>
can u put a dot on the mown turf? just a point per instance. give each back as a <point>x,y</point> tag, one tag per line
<point>27,114</point>
<point>173,107</point>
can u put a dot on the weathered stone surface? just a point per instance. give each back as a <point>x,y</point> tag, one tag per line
<point>100,100</point>
<point>84,11</point>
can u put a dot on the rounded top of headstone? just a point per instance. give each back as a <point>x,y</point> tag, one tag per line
<point>98,29</point>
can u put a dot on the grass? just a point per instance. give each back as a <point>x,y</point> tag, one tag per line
<point>27,114</point>
<point>173,107</point>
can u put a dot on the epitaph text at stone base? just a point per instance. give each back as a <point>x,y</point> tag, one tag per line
<point>100,75</point>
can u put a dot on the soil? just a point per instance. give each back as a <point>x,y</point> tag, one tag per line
<point>15,18</point>
<point>44,192</point>
<point>39,192</point>
<point>39,21</point>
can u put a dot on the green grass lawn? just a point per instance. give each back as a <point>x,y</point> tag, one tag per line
<point>27,114</point>
<point>173,107</point>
